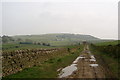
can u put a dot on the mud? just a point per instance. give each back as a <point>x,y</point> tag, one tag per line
<point>87,66</point>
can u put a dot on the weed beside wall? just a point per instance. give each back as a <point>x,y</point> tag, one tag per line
<point>15,61</point>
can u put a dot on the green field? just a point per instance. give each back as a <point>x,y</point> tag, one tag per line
<point>71,47</point>
<point>53,39</point>
<point>16,46</point>
<point>108,43</point>
<point>48,69</point>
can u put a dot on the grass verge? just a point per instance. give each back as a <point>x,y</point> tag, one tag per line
<point>109,63</point>
<point>48,69</point>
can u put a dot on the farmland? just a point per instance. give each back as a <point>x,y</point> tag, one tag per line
<point>50,62</point>
<point>44,56</point>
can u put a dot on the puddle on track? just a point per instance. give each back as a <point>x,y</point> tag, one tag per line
<point>93,60</point>
<point>92,57</point>
<point>74,62</point>
<point>68,71</point>
<point>93,65</point>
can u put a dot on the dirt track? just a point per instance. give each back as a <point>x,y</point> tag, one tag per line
<point>87,66</point>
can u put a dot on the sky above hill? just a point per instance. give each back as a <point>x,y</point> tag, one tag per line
<point>94,17</point>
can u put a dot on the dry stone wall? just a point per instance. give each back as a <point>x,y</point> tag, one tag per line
<point>15,61</point>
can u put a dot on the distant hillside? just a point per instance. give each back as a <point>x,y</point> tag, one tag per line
<point>56,39</point>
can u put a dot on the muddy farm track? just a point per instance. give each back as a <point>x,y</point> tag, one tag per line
<point>85,67</point>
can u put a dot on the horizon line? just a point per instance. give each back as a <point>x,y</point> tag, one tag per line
<point>58,33</point>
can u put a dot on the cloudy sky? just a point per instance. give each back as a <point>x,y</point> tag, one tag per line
<point>93,17</point>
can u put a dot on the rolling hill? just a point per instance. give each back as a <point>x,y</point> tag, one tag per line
<point>59,39</point>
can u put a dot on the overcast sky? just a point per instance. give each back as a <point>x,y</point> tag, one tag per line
<point>93,17</point>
